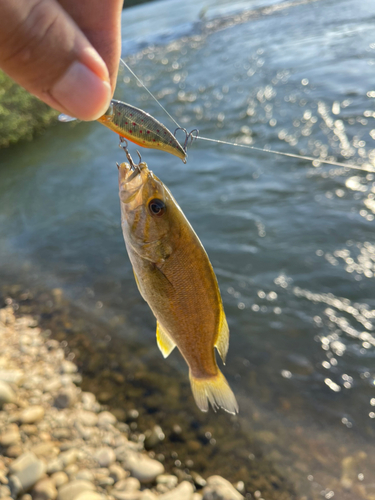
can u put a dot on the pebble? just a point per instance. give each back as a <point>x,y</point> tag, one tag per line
<point>167,480</point>
<point>184,491</point>
<point>153,437</point>
<point>68,367</point>
<point>86,475</point>
<point>44,449</point>
<point>68,435</point>
<point>60,478</point>
<point>148,495</point>
<point>68,457</point>
<point>144,468</point>
<point>71,490</point>
<point>13,451</point>
<point>105,456</point>
<point>105,419</point>
<point>219,488</point>
<point>32,415</point>
<point>44,489</point>
<point>26,470</point>
<point>87,418</point>
<point>6,394</point>
<point>4,491</point>
<point>89,495</point>
<point>66,397</point>
<point>126,495</point>
<point>129,484</point>
<point>54,465</point>
<point>117,472</point>
<point>11,376</point>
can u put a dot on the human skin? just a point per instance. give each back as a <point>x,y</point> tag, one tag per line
<point>65,52</point>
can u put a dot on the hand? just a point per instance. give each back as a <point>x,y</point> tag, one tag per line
<point>66,52</point>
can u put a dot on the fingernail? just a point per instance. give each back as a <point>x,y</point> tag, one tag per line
<point>82,93</point>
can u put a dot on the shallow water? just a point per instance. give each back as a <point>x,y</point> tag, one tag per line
<point>291,242</point>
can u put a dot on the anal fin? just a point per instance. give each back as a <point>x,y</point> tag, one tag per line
<point>165,343</point>
<point>222,342</point>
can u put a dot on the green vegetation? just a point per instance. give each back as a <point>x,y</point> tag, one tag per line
<point>21,114</point>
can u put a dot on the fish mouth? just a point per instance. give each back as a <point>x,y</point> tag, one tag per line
<point>131,180</point>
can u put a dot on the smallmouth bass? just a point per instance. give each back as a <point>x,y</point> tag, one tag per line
<point>176,279</point>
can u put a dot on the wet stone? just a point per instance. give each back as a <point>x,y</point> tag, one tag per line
<point>6,394</point>
<point>32,415</point>
<point>144,468</point>
<point>219,488</point>
<point>66,398</point>
<point>153,437</point>
<point>184,491</point>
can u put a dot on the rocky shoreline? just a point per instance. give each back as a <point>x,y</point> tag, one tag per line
<point>59,442</point>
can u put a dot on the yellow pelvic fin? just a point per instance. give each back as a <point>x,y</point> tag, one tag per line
<point>222,341</point>
<point>165,344</point>
<point>215,390</point>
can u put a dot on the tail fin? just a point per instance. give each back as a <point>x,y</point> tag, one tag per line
<point>215,390</point>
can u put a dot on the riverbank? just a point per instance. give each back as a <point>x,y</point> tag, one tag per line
<point>22,115</point>
<point>58,441</point>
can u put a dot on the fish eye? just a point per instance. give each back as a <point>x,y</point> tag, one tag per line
<point>157,207</point>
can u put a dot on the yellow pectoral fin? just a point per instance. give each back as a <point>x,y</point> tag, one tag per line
<point>222,342</point>
<point>165,344</point>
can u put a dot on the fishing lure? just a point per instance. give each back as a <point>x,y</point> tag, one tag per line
<point>141,128</point>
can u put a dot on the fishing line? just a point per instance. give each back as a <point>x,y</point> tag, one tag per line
<point>291,155</point>
<point>152,95</point>
<point>369,169</point>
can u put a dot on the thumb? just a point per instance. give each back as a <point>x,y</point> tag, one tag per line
<point>43,50</point>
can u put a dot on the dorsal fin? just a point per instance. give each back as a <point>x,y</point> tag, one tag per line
<point>165,343</point>
<point>222,342</point>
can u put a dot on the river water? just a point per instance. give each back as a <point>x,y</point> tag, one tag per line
<point>291,241</point>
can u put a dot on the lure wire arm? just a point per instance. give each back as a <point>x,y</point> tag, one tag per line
<point>189,136</point>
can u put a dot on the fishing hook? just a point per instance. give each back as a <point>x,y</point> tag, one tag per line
<point>189,136</point>
<point>135,167</point>
<point>124,146</point>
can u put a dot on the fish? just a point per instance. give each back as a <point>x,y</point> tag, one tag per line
<point>139,127</point>
<point>175,277</point>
